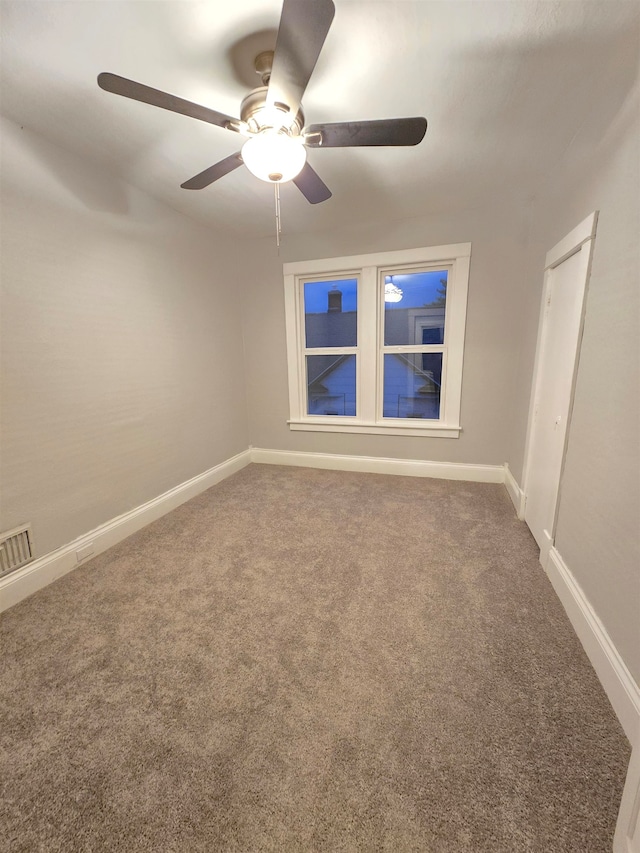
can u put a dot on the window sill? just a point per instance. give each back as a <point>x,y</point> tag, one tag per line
<point>350,425</point>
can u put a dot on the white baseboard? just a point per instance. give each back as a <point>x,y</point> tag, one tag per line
<point>50,567</point>
<point>627,837</point>
<point>380,465</point>
<point>617,681</point>
<point>545,543</point>
<point>515,492</point>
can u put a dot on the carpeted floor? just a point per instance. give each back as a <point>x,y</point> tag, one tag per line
<point>303,660</point>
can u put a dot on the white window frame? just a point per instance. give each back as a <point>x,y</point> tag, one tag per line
<point>370,271</point>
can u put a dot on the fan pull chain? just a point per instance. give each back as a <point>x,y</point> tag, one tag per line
<point>276,188</point>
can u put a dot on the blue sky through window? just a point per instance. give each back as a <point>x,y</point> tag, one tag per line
<point>418,289</point>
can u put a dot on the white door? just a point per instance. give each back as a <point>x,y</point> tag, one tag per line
<point>566,276</point>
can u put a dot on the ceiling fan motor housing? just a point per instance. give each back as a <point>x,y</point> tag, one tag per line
<point>254,112</point>
<point>263,64</point>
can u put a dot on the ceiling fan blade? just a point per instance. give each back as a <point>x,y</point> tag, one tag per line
<point>304,25</point>
<point>347,134</point>
<point>311,185</point>
<point>138,92</point>
<point>213,173</point>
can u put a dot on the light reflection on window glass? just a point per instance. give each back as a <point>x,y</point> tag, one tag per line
<point>414,308</point>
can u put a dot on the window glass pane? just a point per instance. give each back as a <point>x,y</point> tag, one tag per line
<point>414,308</point>
<point>330,313</point>
<point>331,385</point>
<point>412,385</point>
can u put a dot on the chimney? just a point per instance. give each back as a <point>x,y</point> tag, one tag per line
<point>335,302</point>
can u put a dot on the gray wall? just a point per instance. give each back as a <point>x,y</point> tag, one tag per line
<point>122,371</point>
<point>598,533</point>
<point>496,294</point>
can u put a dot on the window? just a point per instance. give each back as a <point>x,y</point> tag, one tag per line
<point>375,342</point>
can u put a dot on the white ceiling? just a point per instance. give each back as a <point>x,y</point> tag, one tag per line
<point>507,88</point>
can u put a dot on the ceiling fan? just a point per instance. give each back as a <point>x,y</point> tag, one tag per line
<point>271,116</point>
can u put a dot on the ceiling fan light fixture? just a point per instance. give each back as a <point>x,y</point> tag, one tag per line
<point>274,156</point>
<point>392,293</point>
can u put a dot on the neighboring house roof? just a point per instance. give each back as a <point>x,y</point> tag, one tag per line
<point>331,329</point>
<point>317,373</point>
<point>323,372</point>
<point>430,381</point>
<point>339,328</point>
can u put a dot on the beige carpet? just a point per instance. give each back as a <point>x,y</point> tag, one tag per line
<point>303,660</point>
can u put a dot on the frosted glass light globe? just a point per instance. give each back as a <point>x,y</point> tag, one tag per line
<point>274,157</point>
<point>392,292</point>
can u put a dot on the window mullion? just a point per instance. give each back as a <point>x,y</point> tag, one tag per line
<point>295,364</point>
<point>419,348</point>
<point>368,360</point>
<point>330,350</point>
<point>455,331</point>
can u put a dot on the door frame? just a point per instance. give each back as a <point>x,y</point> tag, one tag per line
<point>581,235</point>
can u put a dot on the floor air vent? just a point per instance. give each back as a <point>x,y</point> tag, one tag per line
<point>16,549</point>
